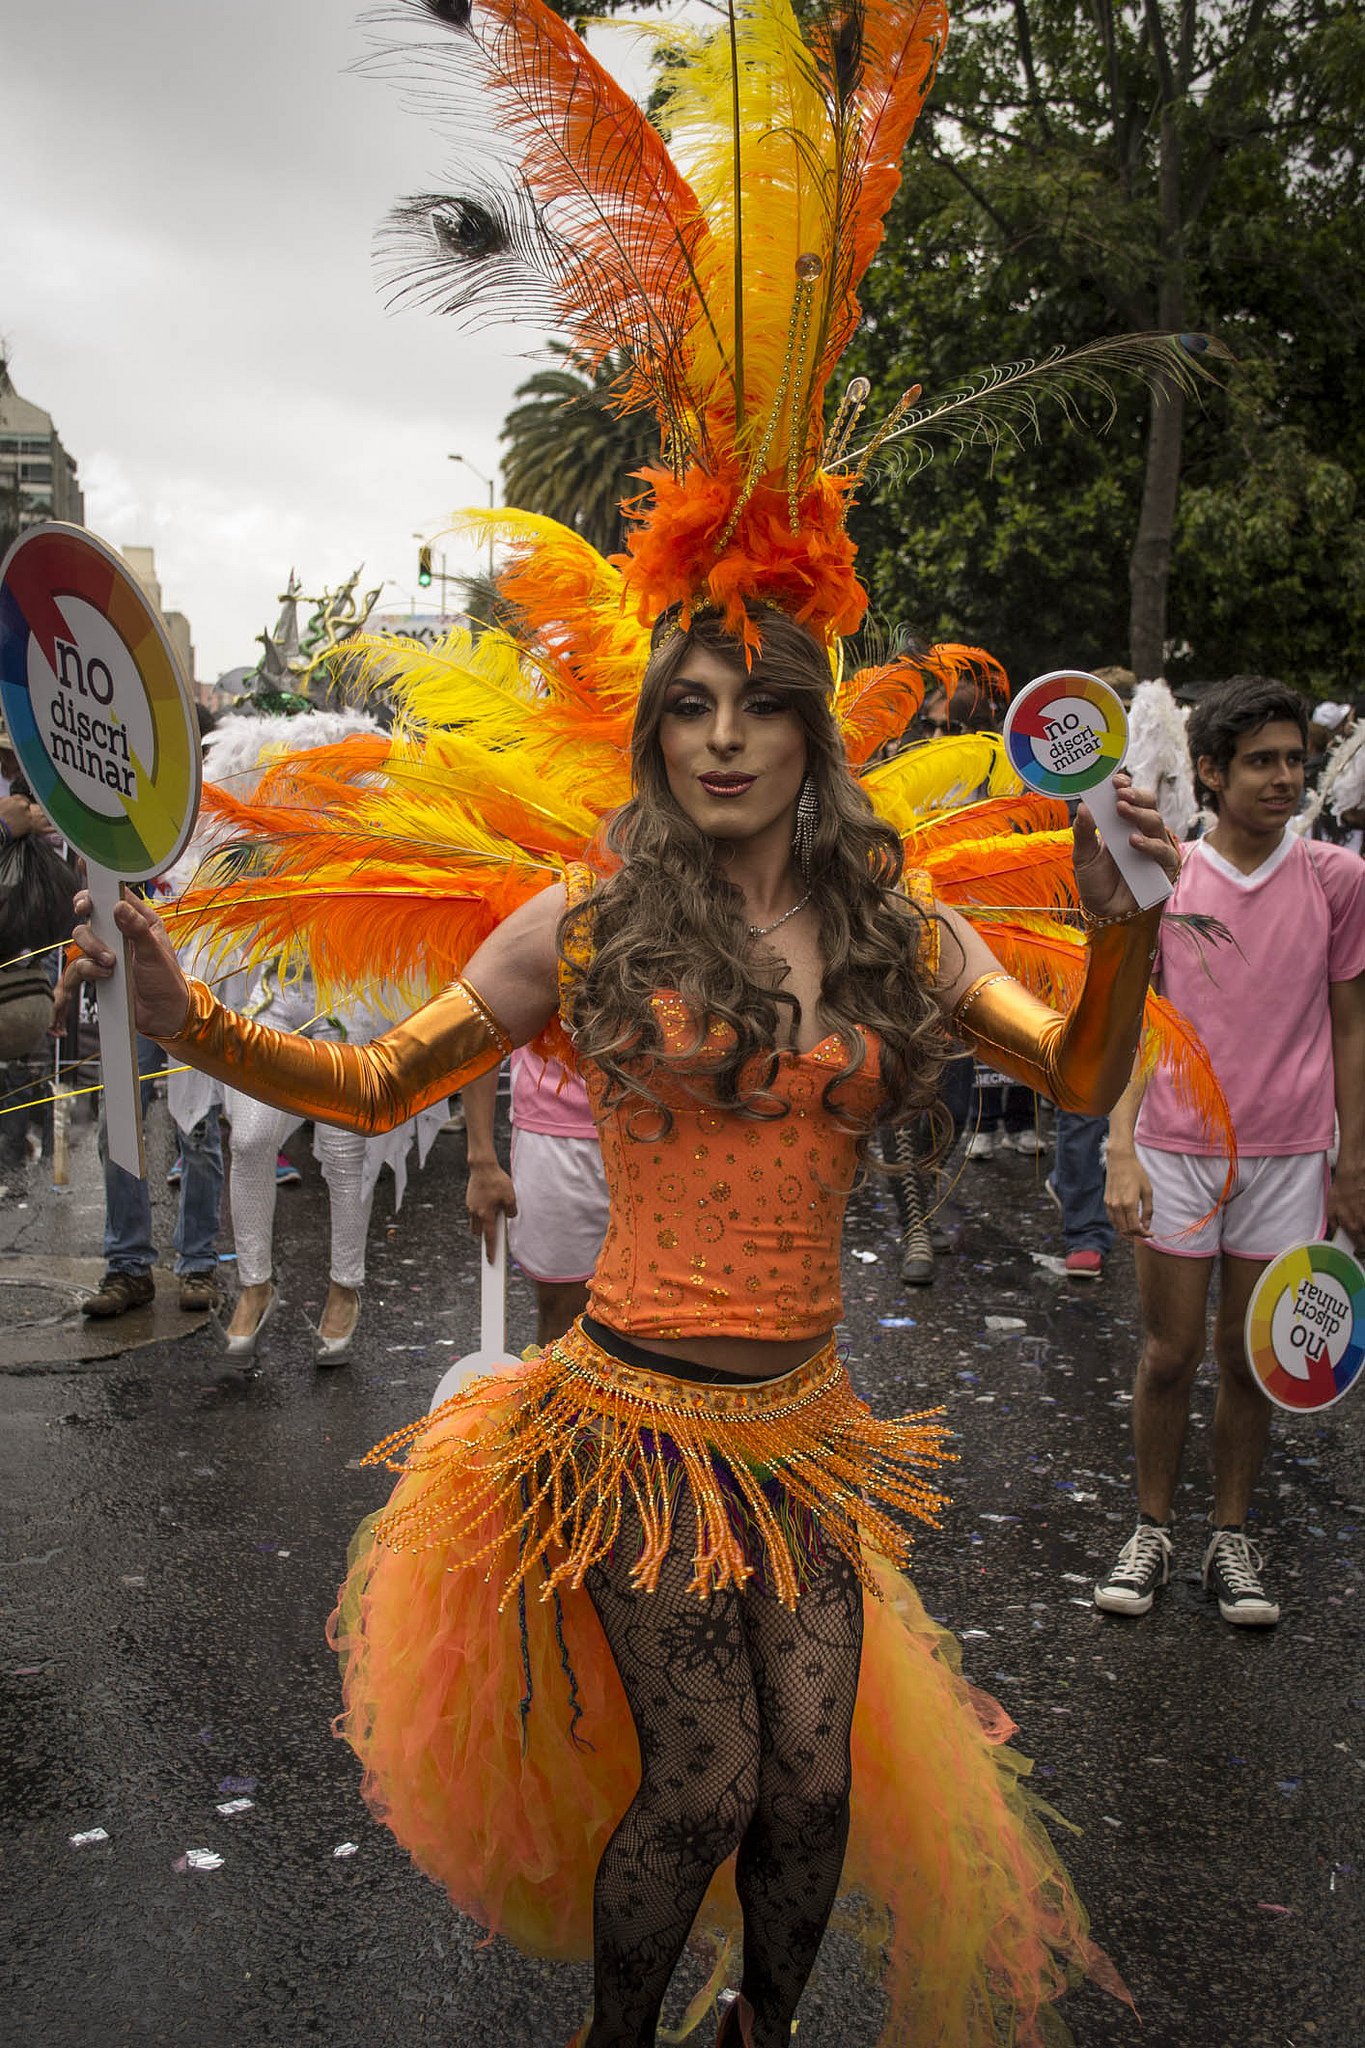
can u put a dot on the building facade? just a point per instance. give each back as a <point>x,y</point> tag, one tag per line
<point>37,477</point>
<point>142,562</point>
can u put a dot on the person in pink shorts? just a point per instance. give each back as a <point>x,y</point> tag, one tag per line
<point>555,1199</point>
<point>1280,1005</point>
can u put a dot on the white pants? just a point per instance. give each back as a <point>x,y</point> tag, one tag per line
<point>258,1131</point>
<point>562,1207</point>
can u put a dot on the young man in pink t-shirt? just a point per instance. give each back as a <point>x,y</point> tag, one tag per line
<point>555,1199</point>
<point>1280,1006</point>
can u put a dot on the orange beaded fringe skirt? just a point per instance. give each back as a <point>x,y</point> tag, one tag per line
<point>495,1736</point>
<point>582,1430</point>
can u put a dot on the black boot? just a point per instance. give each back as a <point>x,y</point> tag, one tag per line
<point>917,1251</point>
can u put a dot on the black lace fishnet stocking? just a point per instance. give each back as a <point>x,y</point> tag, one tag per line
<point>805,1671</point>
<point>743,1711</point>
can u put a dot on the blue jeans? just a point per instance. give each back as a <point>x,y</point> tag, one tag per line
<point>128,1246</point>
<point>1077,1180</point>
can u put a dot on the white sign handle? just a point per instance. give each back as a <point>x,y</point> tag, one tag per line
<point>493,1295</point>
<point>1145,877</point>
<point>118,1053</point>
<point>491,1355</point>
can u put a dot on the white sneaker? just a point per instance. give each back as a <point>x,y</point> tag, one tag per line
<point>1144,1564</point>
<point>1028,1142</point>
<point>984,1144</point>
<point>1232,1568</point>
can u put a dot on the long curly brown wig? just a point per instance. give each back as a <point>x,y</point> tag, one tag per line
<point>669,918</point>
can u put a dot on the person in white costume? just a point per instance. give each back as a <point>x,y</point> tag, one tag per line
<point>351,1165</point>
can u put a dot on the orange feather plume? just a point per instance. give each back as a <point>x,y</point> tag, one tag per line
<point>600,237</point>
<point>686,552</point>
<point>900,48</point>
<point>875,705</point>
<point>991,817</point>
<point>1026,870</point>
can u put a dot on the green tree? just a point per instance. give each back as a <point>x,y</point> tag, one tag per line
<point>571,453</point>
<point>1147,166</point>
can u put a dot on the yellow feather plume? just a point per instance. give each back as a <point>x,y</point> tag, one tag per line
<point>940,775</point>
<point>747,121</point>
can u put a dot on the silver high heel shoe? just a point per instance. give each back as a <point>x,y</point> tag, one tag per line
<point>245,1345</point>
<point>332,1350</point>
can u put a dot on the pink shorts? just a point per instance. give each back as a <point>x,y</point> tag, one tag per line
<point>561,1216</point>
<point>1276,1202</point>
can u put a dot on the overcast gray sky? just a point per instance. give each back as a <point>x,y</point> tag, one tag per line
<point>190,196</point>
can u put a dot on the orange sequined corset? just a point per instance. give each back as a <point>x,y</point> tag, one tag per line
<point>728,1227</point>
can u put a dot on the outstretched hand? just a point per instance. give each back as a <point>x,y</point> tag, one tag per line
<point>161,994</point>
<point>1103,891</point>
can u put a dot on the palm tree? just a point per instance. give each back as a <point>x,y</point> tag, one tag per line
<point>570,453</point>
<point>483,603</point>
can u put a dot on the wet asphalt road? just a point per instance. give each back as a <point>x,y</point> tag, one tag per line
<point>171,1534</point>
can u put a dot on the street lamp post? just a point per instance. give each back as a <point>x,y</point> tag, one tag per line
<point>492,488</point>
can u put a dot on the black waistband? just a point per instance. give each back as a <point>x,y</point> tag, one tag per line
<point>617,1346</point>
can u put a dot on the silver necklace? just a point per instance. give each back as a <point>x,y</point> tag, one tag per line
<point>761,931</point>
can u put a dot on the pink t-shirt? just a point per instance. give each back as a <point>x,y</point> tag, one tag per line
<point>547,1098</point>
<point>1260,1003</point>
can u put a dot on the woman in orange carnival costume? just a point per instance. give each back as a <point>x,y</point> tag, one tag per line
<point>680,1513</point>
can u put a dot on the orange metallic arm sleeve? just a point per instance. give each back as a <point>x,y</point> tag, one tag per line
<point>367,1088</point>
<point>1082,1061</point>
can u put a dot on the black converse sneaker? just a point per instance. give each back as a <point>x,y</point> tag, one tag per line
<point>1232,1567</point>
<point>1144,1564</point>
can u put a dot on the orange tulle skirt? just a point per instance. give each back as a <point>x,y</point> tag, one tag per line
<point>495,1736</point>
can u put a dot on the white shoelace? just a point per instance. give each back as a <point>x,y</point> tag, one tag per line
<point>1148,1548</point>
<point>1239,1559</point>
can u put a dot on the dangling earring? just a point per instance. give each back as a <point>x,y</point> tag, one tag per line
<point>807,819</point>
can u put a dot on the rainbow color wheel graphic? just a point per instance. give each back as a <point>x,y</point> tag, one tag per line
<point>59,587</point>
<point>1305,1327</point>
<point>1066,733</point>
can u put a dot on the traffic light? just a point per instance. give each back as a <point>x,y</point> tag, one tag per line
<point>424,567</point>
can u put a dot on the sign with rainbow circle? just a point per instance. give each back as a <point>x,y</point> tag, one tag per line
<point>1305,1326</point>
<point>1065,734</point>
<point>105,731</point>
<point>95,704</point>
